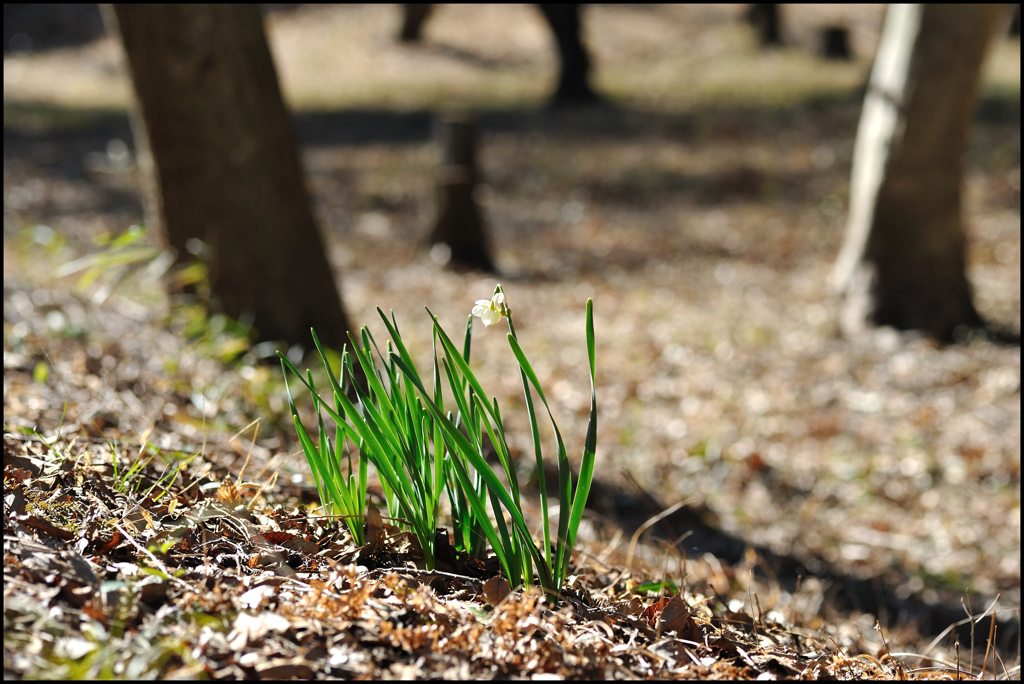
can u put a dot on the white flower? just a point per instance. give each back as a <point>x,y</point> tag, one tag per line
<point>491,310</point>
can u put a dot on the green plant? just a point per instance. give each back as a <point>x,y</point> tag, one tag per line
<point>420,448</point>
<point>128,480</point>
<point>117,260</point>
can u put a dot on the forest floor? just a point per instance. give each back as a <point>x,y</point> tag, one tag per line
<point>828,483</point>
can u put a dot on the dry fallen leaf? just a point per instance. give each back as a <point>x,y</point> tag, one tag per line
<point>677,617</point>
<point>228,493</point>
<point>375,533</point>
<point>495,590</point>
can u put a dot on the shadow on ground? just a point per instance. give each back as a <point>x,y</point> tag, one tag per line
<point>879,596</point>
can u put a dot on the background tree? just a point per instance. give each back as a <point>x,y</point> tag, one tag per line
<point>413,17</point>
<point>220,159</point>
<point>574,73</point>
<point>564,21</point>
<point>764,18</point>
<point>903,257</point>
<point>459,230</point>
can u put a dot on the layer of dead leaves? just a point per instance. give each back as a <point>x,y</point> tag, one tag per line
<point>197,576</point>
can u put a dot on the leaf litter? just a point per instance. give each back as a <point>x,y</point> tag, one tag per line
<point>207,578</point>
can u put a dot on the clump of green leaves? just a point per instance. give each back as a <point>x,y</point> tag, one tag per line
<point>422,447</point>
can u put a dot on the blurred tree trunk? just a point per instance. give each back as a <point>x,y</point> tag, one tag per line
<point>903,257</point>
<point>413,18</point>
<point>564,21</point>
<point>573,81</point>
<point>764,18</point>
<point>222,167</point>
<point>459,231</point>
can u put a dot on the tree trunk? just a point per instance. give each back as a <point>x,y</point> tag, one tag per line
<point>902,261</point>
<point>221,162</point>
<point>835,43</point>
<point>413,18</point>
<point>459,235</point>
<point>573,81</point>
<point>764,17</point>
